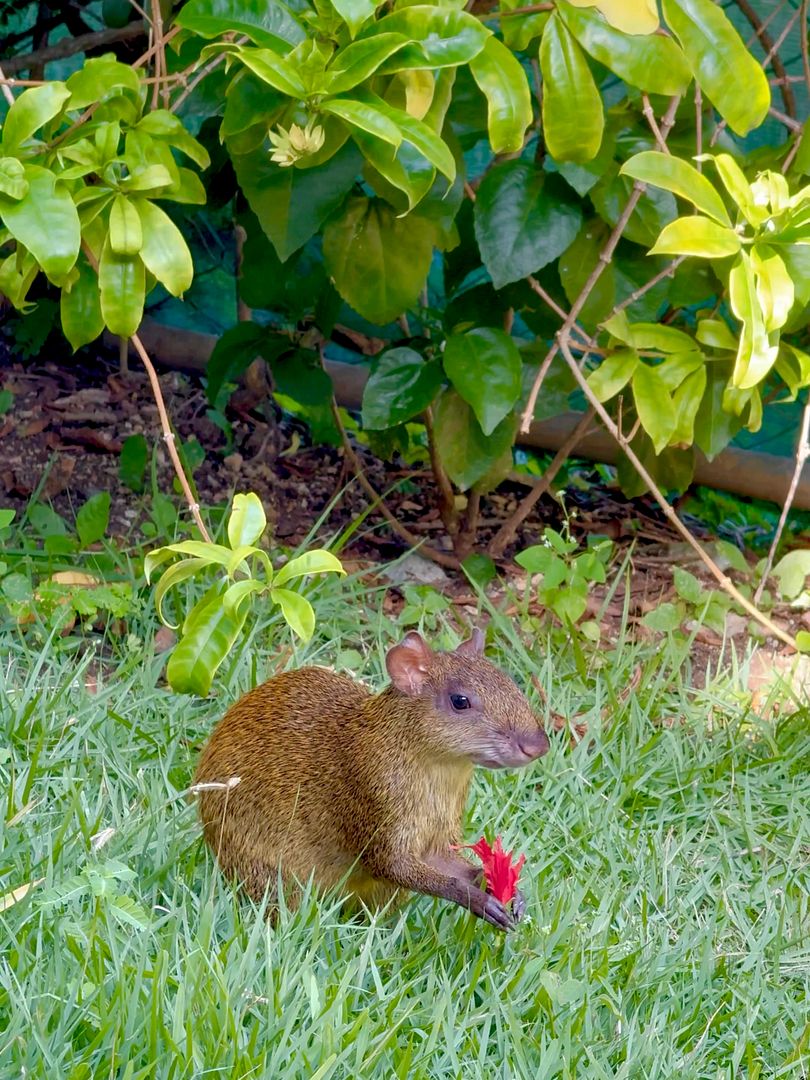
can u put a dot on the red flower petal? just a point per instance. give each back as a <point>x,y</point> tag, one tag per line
<point>500,873</point>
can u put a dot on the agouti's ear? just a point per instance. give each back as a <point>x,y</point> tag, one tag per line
<point>408,664</point>
<point>473,646</point>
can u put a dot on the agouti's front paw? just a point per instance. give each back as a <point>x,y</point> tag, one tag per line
<point>493,912</point>
<point>518,905</point>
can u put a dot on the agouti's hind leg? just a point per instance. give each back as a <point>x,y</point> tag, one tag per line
<point>259,878</point>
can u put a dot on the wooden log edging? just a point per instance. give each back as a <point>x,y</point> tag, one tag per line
<point>742,472</point>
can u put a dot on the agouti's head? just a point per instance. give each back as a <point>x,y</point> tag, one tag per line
<point>471,709</point>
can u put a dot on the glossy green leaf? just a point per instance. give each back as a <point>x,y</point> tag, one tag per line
<point>403,167</point>
<point>214,554</point>
<point>237,595</point>
<point>122,285</point>
<point>484,366</point>
<point>714,427</point>
<point>650,62</point>
<point>273,69</point>
<point>93,518</point>
<point>738,187</point>
<point>401,385</point>
<point>524,219</point>
<point>164,125</point>
<point>247,520</point>
<point>637,17</point>
<point>101,78</point>
<point>164,251</point>
<point>716,334</point>
<point>756,354</point>
<point>793,367</point>
<point>31,111</point>
<point>725,70</point>
<point>613,374</point>
<point>209,634</point>
<point>441,36</point>
<point>297,612</point>
<point>686,401</point>
<point>292,204</point>
<point>644,335</point>
<point>174,575</point>
<point>354,64</point>
<point>150,178</point>
<point>654,406</point>
<point>126,234</point>
<point>503,83</point>
<point>678,366</point>
<point>698,236</point>
<point>465,451</point>
<point>366,117</point>
<point>354,12</point>
<point>378,262</point>
<point>80,307</point>
<point>773,284</point>
<point>12,178</point>
<point>407,128</point>
<point>678,176</point>
<point>573,119</point>
<point>45,221</point>
<point>263,21</point>
<point>317,561</point>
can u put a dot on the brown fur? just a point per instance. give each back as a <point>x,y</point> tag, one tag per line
<point>363,791</point>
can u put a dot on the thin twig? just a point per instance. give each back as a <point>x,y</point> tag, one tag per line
<point>198,78</point>
<point>668,271</point>
<point>771,50</point>
<point>7,94</point>
<point>805,46</point>
<point>698,127</point>
<point>725,582</point>
<point>802,453</point>
<point>504,536</point>
<point>647,109</point>
<point>69,46</point>
<point>447,499</point>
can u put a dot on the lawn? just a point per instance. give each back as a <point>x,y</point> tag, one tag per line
<point>668,864</point>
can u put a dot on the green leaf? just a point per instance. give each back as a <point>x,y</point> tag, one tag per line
<point>354,64</point>
<point>247,520</point>
<point>698,236</point>
<point>30,111</point>
<point>738,187</point>
<point>274,70</point>
<point>209,634</point>
<point>126,235</point>
<point>773,284</point>
<point>297,612</point>
<point>665,618</point>
<point>755,355</point>
<point>678,366</point>
<point>93,518</point>
<point>45,221</point>
<point>791,572</point>
<point>101,78</point>
<point>235,351</point>
<point>650,62</point>
<point>484,366</point>
<point>573,119</point>
<point>263,21</point>
<point>714,427</point>
<point>686,400</point>
<point>716,334</point>
<point>442,37</point>
<point>133,461</point>
<point>164,251</point>
<point>654,405</point>
<point>378,262</point>
<point>292,204</point>
<point>12,178</point>
<point>174,575</point>
<point>401,385</point>
<point>725,70</point>
<point>317,561</point>
<point>354,12</point>
<point>408,129</point>
<point>503,83</point>
<point>465,451</point>
<point>162,124</point>
<point>524,220</point>
<point>366,117</point>
<point>655,209</point>
<point>122,286</point>
<point>678,176</point>
<point>80,307</point>
<point>613,374</point>
<point>237,594</point>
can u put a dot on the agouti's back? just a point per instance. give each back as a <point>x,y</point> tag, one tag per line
<point>311,775</point>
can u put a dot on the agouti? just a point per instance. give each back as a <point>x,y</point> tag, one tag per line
<point>363,792</point>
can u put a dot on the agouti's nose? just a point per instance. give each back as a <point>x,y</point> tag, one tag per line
<point>533,746</point>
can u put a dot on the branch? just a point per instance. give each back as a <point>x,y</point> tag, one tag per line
<point>504,536</point>
<point>802,453</point>
<point>447,505</point>
<point>69,46</point>
<point>772,54</point>
<point>604,258</point>
<point>725,582</point>
<point>7,94</point>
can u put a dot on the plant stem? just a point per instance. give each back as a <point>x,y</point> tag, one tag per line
<point>725,582</point>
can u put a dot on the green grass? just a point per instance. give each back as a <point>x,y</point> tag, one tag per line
<point>667,876</point>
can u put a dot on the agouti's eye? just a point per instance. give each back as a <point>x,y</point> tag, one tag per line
<point>459,702</point>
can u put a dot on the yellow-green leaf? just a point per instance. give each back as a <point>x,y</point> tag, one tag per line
<point>654,405</point>
<point>573,118</point>
<point>503,83</point>
<point>774,286</point>
<point>686,401</point>
<point>126,234</point>
<point>122,285</point>
<point>209,633</point>
<point>297,612</point>
<point>247,521</point>
<point>613,373</point>
<point>317,561</point>
<point>696,236</point>
<point>164,251</point>
<point>678,176</point>
<point>631,16</point>
<point>756,355</point>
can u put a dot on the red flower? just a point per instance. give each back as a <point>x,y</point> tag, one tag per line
<point>500,873</point>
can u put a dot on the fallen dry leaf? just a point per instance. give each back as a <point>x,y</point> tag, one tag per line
<point>14,897</point>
